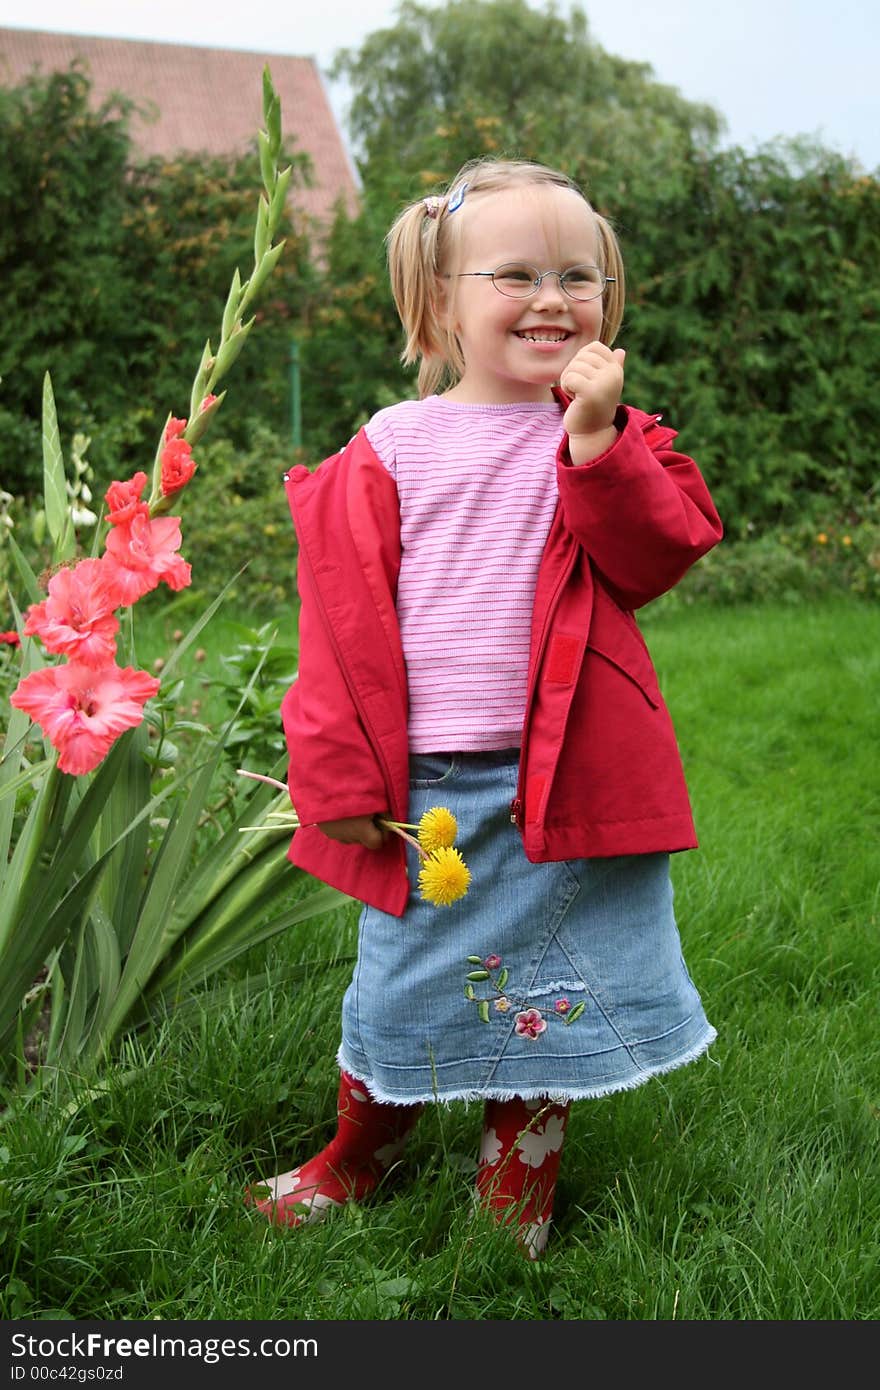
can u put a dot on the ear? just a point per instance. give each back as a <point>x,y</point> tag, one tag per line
<point>441,296</point>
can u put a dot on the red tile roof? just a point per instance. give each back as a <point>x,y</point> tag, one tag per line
<point>199,99</point>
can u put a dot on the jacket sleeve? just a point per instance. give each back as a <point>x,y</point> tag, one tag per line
<point>332,772</point>
<point>641,511</point>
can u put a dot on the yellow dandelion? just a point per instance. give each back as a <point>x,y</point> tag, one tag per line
<point>444,877</point>
<point>822,538</point>
<point>437,828</point>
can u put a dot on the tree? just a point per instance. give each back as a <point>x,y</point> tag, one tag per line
<point>62,213</point>
<point>450,82</point>
<point>110,270</point>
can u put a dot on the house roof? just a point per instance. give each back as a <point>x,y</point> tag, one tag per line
<point>192,99</point>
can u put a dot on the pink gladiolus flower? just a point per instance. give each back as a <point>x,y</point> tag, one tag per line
<point>530,1023</point>
<point>77,617</point>
<point>174,429</point>
<point>123,500</point>
<point>10,638</point>
<point>141,553</point>
<point>206,401</point>
<point>82,709</point>
<point>177,466</point>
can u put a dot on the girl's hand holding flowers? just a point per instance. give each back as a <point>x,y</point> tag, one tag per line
<point>355,830</point>
<point>444,877</point>
<point>594,380</point>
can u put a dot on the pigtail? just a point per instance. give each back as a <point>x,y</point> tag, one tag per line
<point>611,261</point>
<point>413,246</point>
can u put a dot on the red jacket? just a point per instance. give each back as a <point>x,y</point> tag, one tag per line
<point>600,773</point>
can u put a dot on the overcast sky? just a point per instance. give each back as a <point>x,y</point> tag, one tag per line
<point>772,67</point>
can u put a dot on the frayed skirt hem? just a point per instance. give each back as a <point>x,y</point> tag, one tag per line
<point>549,1091</point>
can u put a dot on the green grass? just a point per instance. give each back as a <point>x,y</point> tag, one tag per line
<point>745,1186</point>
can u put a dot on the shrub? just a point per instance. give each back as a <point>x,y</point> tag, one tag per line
<point>820,555</point>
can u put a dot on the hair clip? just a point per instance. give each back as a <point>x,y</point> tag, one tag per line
<point>457,198</point>
<point>433,206</point>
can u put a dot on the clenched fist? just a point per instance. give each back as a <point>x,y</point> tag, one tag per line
<point>594,380</point>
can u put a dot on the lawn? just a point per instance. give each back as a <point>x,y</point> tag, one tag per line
<point>746,1186</point>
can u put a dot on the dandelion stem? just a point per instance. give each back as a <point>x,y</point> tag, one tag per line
<point>397,827</point>
<point>258,777</point>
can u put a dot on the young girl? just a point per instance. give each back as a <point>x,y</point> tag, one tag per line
<point>468,568</point>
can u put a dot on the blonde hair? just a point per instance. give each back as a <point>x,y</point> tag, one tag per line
<point>425,237</point>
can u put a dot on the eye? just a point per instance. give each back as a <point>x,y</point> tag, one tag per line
<point>583,275</point>
<point>516,274</point>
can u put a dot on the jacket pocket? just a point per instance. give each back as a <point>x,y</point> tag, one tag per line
<point>615,637</point>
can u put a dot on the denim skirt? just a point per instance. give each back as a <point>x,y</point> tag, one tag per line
<point>564,979</point>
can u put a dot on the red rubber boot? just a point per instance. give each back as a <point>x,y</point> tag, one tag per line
<point>369,1137</point>
<point>519,1161</point>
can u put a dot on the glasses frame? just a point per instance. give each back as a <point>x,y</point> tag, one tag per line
<point>538,278</point>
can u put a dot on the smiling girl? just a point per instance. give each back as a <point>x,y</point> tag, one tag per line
<point>468,568</point>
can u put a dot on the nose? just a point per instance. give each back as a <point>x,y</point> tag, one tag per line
<point>550,293</point>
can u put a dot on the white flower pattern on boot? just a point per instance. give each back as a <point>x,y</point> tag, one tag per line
<point>490,1147</point>
<point>282,1183</point>
<point>533,1237</point>
<point>537,1143</point>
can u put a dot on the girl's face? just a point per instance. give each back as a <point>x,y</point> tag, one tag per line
<point>516,349</point>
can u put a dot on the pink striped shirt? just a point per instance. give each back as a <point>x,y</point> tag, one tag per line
<point>477,488</point>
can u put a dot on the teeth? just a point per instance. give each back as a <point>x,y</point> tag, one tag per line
<point>540,337</point>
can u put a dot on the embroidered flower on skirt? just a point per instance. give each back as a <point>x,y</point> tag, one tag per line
<point>529,1022</point>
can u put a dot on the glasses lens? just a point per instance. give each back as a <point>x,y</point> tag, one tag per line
<point>516,279</point>
<point>583,282</point>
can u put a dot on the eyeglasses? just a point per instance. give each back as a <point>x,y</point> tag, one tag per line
<point>519,281</point>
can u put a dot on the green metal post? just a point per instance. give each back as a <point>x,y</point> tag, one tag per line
<point>295,395</point>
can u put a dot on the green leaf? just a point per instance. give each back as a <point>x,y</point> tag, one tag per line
<point>189,639</point>
<point>161,920</point>
<point>54,483</point>
<point>264,270</point>
<point>28,578</point>
<point>475,960</point>
<point>271,112</point>
<point>261,238</point>
<point>202,420</point>
<point>477,975</point>
<point>10,785</point>
<point>199,386</point>
<point>503,977</point>
<point>31,858</point>
<point>575,1013</point>
<point>227,354</point>
<point>483,1010</point>
<point>204,955</point>
<point>279,199</point>
<point>267,163</point>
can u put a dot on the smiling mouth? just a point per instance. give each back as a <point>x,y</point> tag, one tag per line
<point>543,335</point>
